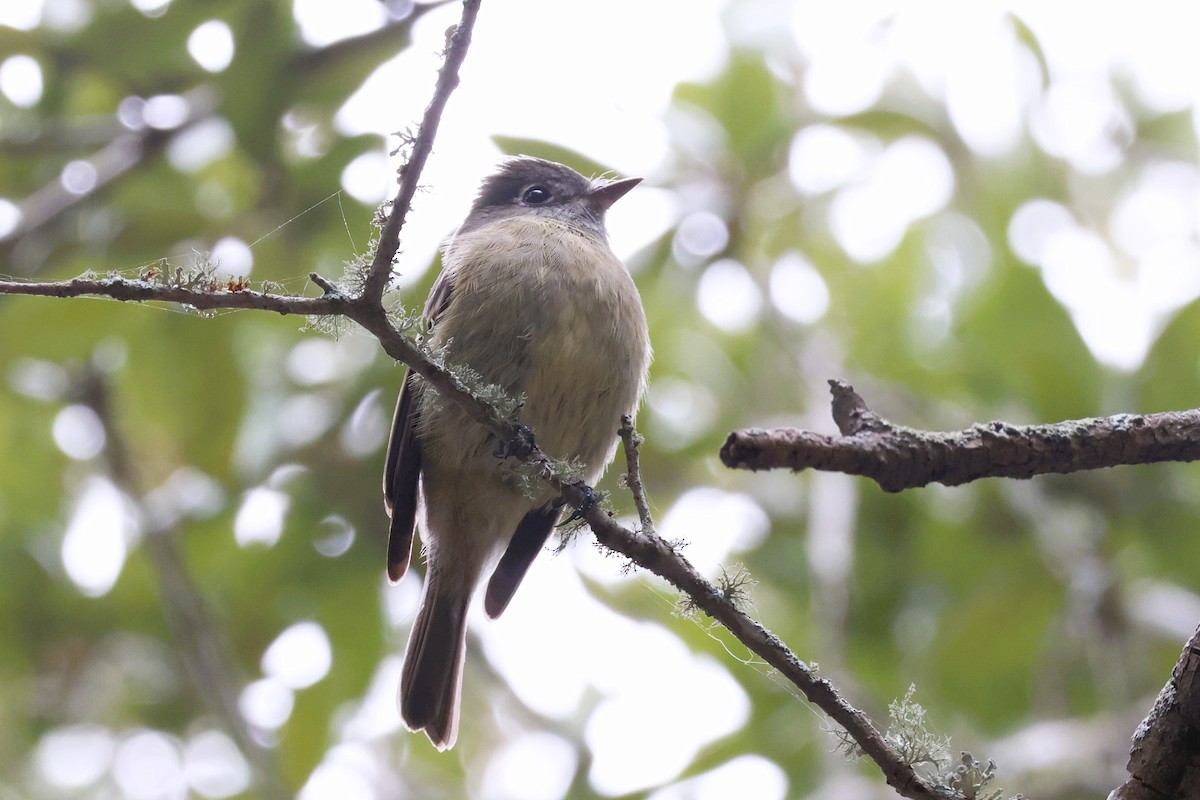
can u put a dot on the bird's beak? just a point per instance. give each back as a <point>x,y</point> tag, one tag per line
<point>606,194</point>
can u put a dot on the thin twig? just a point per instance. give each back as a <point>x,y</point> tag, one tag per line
<point>422,145</point>
<point>210,297</point>
<point>631,439</point>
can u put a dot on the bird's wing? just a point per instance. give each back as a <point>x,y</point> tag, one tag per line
<point>439,297</point>
<point>524,546</point>
<point>402,471</point>
<point>400,477</point>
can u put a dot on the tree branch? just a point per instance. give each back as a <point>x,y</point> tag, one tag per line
<point>202,292</point>
<point>631,440</point>
<point>1163,761</point>
<point>457,43</point>
<point>900,458</point>
<point>650,551</point>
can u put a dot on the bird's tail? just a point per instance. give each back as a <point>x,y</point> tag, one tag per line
<point>431,680</point>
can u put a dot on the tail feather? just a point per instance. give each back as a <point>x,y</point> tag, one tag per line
<point>431,680</point>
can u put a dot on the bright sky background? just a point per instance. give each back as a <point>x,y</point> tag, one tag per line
<point>597,77</point>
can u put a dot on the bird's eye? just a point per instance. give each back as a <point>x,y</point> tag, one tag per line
<point>535,195</point>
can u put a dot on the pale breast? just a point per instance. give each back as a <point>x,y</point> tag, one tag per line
<point>551,314</point>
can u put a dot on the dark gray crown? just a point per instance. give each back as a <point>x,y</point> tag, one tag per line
<point>506,194</point>
<point>517,173</point>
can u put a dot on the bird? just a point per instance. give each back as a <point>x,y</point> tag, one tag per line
<point>532,299</point>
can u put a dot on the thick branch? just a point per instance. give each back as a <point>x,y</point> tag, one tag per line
<point>1163,761</point>
<point>899,458</point>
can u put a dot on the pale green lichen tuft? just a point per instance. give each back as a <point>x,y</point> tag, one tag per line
<point>928,753</point>
<point>732,587</point>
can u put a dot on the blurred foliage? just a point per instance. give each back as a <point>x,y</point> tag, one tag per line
<point>1007,605</point>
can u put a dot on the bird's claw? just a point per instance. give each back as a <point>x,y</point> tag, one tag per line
<point>581,510</point>
<point>519,445</point>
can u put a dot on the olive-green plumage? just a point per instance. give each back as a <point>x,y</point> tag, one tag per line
<point>532,298</point>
